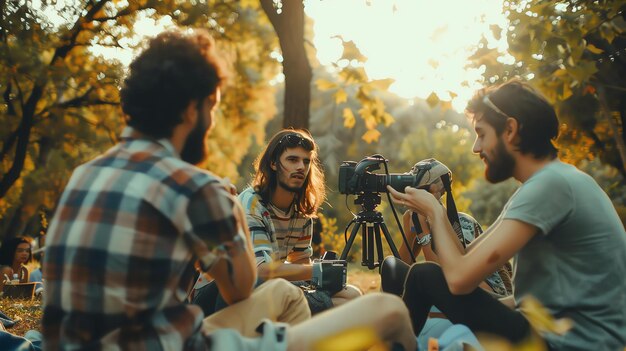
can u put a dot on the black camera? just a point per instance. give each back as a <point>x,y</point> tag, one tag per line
<point>329,273</point>
<point>357,177</point>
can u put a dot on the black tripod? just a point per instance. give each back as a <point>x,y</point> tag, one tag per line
<point>371,222</point>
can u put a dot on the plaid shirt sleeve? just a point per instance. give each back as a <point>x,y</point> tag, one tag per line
<point>216,224</point>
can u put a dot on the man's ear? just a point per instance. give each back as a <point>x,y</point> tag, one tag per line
<point>273,165</point>
<point>190,114</point>
<point>511,130</point>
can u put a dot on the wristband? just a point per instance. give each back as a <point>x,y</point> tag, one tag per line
<point>425,240</point>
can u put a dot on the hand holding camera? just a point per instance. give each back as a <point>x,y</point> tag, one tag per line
<point>329,273</point>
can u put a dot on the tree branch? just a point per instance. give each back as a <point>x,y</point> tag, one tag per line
<point>20,94</point>
<point>614,87</point>
<point>8,144</point>
<point>61,52</point>
<point>28,110</point>
<point>7,99</point>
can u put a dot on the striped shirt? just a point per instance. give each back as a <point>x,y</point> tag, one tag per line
<point>276,235</point>
<point>121,247</point>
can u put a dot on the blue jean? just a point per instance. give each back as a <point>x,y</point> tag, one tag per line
<point>30,342</point>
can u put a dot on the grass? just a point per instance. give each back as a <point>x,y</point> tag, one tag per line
<point>29,312</point>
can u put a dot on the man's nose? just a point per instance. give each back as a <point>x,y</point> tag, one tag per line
<point>476,147</point>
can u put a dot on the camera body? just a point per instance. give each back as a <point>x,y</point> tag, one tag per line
<point>357,178</point>
<point>330,273</point>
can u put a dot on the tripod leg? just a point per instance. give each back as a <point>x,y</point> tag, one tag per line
<point>370,246</point>
<point>379,243</point>
<point>346,249</point>
<point>392,246</point>
<point>364,243</point>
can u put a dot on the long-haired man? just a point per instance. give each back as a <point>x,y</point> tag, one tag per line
<point>285,194</point>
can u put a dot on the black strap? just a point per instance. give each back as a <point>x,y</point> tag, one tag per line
<point>453,214</point>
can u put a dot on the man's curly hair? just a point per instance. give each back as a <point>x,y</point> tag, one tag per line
<point>176,68</point>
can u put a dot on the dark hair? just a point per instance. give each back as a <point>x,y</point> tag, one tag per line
<point>313,191</point>
<point>176,68</point>
<point>538,123</point>
<point>7,250</point>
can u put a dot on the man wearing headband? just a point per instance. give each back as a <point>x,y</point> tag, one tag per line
<point>437,181</point>
<point>436,178</point>
<point>567,241</point>
<point>281,202</point>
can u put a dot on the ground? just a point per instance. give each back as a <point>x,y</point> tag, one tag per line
<point>29,311</point>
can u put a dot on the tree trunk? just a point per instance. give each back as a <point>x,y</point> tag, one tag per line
<point>23,139</point>
<point>289,27</point>
<point>28,110</point>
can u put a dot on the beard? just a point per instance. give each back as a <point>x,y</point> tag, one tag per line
<point>501,166</point>
<point>195,149</point>
<point>293,189</point>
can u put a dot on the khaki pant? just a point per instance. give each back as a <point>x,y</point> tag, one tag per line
<point>276,299</point>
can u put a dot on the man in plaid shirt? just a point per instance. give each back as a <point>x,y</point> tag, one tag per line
<point>132,222</point>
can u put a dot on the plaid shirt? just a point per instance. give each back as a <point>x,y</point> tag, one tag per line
<point>276,236</point>
<point>121,247</point>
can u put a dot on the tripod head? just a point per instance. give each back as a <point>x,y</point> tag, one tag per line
<point>368,201</point>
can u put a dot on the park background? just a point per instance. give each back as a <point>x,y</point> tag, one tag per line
<point>366,77</point>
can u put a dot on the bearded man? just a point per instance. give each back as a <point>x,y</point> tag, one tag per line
<point>280,205</point>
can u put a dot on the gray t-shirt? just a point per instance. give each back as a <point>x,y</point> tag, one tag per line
<point>576,265</point>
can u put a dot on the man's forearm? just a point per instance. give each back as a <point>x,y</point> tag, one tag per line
<point>235,283</point>
<point>447,244</point>
<point>287,271</point>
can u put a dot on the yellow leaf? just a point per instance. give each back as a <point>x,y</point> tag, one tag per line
<point>379,106</point>
<point>341,96</point>
<point>541,320</point>
<point>371,136</point>
<point>368,117</point>
<point>381,84</point>
<point>323,84</point>
<point>248,3</point>
<point>352,52</point>
<point>432,100</point>
<point>446,105</point>
<point>567,92</point>
<point>348,118</point>
<point>388,119</point>
<point>350,340</point>
<point>594,49</point>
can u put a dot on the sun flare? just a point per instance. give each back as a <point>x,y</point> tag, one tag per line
<point>422,45</point>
